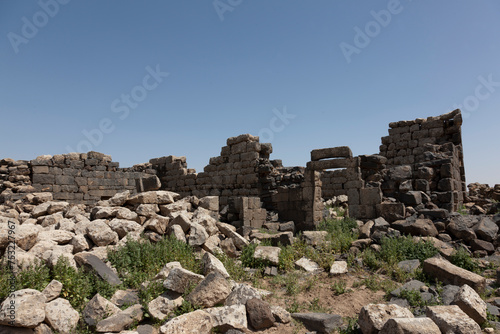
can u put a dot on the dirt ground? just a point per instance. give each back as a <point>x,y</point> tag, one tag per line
<point>316,294</point>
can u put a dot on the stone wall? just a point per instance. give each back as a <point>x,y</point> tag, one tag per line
<point>75,177</point>
<point>432,151</point>
<point>420,164</point>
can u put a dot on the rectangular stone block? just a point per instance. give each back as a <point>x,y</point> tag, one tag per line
<point>40,169</point>
<point>332,152</point>
<point>370,196</point>
<point>327,164</point>
<point>44,178</point>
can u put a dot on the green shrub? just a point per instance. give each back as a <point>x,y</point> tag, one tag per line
<point>140,261</point>
<point>247,259</point>
<point>341,233</point>
<point>339,287</point>
<point>234,268</point>
<point>394,250</point>
<point>79,286</point>
<point>463,259</point>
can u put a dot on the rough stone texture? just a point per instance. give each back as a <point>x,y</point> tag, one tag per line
<point>125,297</point>
<point>422,227</point>
<point>268,253</point>
<point>372,317</point>
<point>308,265</point>
<point>162,305</point>
<point>211,291</point>
<point>240,294</point>
<point>314,238</point>
<point>338,268</point>
<point>471,303</point>
<point>213,264</point>
<point>179,279</point>
<point>281,315</point>
<point>451,274</point>
<point>451,319</point>
<point>61,316</point>
<point>101,234</point>
<point>29,308</point>
<point>92,261</point>
<point>259,314</point>
<point>229,317</point>
<point>120,320</point>
<point>97,309</point>
<point>410,326</point>
<point>52,290</point>
<point>197,322</point>
<point>319,322</point>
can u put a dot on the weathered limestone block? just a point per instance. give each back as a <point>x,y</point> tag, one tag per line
<point>372,317</point>
<point>338,268</point>
<point>471,303</point>
<point>451,274</point>
<point>213,264</point>
<point>229,317</point>
<point>61,316</point>
<point>52,290</point>
<point>197,322</point>
<point>308,265</point>
<point>97,309</point>
<point>164,304</point>
<point>410,326</point>
<point>29,309</point>
<point>121,320</point>
<point>268,253</point>
<point>179,279</point>
<point>451,319</point>
<point>213,290</point>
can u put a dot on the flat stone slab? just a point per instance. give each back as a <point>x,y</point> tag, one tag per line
<point>448,273</point>
<point>99,266</point>
<point>320,322</point>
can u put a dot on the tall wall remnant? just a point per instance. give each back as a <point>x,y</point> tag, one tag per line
<point>426,155</point>
<point>420,165</point>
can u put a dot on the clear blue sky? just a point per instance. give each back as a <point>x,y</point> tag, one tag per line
<point>234,65</point>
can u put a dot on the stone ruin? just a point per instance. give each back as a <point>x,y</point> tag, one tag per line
<point>419,169</point>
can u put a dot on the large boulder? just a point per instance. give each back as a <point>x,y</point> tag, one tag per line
<point>23,308</point>
<point>259,314</point>
<point>213,290</point>
<point>121,320</point>
<point>164,304</point>
<point>97,309</point>
<point>229,317</point>
<point>61,316</point>
<point>197,322</point>
<point>180,279</point>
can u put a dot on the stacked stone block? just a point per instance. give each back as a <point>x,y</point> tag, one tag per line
<point>14,179</point>
<point>80,178</point>
<point>233,173</point>
<point>83,178</point>
<point>432,148</point>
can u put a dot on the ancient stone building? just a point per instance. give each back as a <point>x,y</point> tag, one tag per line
<point>420,165</point>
